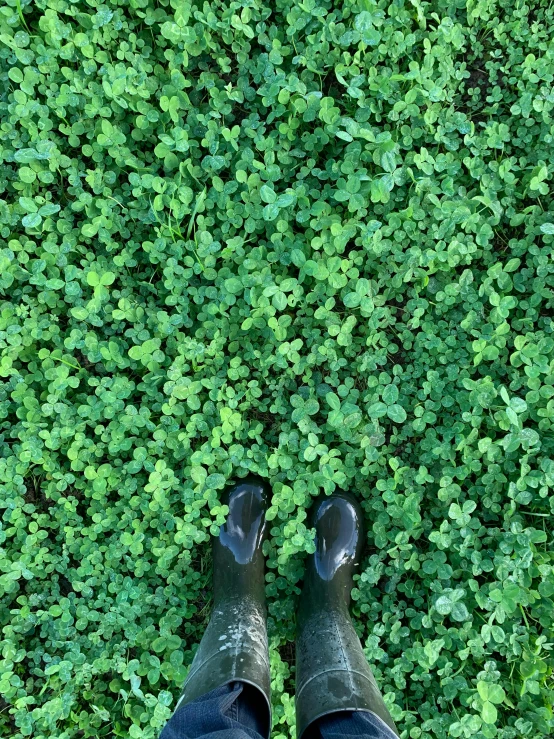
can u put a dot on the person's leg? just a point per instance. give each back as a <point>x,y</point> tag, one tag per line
<point>332,673</point>
<point>233,711</point>
<point>227,691</point>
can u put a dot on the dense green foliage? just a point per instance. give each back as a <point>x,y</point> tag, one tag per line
<point>308,239</point>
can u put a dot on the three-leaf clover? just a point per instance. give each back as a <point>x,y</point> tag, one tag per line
<point>491,695</point>
<point>388,406</point>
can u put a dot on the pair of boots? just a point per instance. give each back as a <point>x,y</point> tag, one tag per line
<point>332,673</point>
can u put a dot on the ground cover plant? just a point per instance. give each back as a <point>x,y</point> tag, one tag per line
<point>310,240</point>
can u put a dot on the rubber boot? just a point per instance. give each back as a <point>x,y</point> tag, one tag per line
<point>332,673</point>
<point>234,646</point>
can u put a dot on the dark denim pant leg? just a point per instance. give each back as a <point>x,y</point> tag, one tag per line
<point>224,713</point>
<point>230,712</point>
<point>350,724</point>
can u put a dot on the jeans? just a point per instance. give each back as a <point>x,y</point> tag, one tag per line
<point>229,713</point>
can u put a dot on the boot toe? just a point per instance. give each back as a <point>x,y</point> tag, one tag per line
<point>338,521</point>
<point>245,528</point>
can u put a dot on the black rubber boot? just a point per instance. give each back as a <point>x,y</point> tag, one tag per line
<point>234,646</point>
<point>332,673</point>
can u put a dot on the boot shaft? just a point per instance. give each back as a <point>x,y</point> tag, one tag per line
<point>332,673</point>
<point>234,646</point>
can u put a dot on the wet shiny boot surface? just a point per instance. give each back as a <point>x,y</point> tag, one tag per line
<point>234,646</point>
<point>332,673</point>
